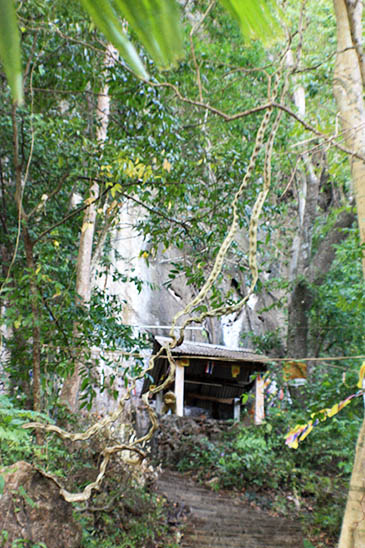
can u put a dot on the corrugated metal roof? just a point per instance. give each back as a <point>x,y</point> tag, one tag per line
<point>197,349</point>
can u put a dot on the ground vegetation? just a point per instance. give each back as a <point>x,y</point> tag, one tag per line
<point>226,167</point>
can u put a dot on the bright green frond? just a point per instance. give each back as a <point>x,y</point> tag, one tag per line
<point>255,17</point>
<point>104,16</point>
<point>10,48</point>
<point>157,26</point>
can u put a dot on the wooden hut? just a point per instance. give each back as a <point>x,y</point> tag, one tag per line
<point>211,377</point>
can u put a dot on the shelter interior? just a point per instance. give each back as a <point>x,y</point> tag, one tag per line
<point>209,378</point>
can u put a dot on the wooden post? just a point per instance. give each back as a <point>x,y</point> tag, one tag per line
<point>259,400</point>
<point>236,409</point>
<point>179,390</point>
<point>159,402</point>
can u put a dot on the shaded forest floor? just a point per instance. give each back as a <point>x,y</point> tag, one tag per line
<point>251,466</point>
<point>223,519</point>
<point>204,479</point>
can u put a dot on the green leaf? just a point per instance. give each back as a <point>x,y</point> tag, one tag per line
<point>22,492</point>
<point>244,399</point>
<point>104,17</point>
<point>155,22</point>
<point>157,26</point>
<point>10,48</point>
<point>255,18</point>
<point>308,544</point>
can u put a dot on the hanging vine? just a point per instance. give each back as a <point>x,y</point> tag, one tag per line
<point>134,447</point>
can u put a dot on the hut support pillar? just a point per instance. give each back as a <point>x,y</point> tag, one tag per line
<point>259,400</point>
<point>179,390</point>
<point>236,409</point>
<point>159,402</point>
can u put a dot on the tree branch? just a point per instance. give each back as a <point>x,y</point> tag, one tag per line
<point>42,203</point>
<point>271,104</point>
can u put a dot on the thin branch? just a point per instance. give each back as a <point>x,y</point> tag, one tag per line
<point>272,104</point>
<point>60,327</point>
<point>27,68</point>
<point>47,29</point>
<point>98,198</point>
<point>292,177</point>
<point>69,216</point>
<point>206,106</point>
<point>192,48</point>
<point>157,212</point>
<point>42,203</point>
<point>319,133</point>
<point>69,91</point>
<point>104,181</point>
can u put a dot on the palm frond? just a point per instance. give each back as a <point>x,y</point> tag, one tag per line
<point>10,48</point>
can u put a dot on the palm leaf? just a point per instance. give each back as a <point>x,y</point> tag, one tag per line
<point>105,18</point>
<point>157,26</point>
<point>10,48</point>
<point>255,18</point>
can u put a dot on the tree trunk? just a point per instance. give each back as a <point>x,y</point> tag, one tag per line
<point>28,245</point>
<point>71,385</point>
<point>298,319</point>
<point>36,347</point>
<point>300,299</point>
<point>348,91</point>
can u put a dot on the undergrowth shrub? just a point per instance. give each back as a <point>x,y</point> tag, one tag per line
<point>127,516</point>
<point>16,443</point>
<point>311,480</point>
<point>123,514</point>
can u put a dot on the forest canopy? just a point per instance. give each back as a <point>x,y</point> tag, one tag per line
<point>226,192</point>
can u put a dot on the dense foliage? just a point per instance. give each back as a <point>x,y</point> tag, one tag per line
<point>126,514</point>
<point>309,483</point>
<point>176,150</point>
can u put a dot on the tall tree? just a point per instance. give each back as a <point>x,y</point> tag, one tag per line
<point>24,217</point>
<point>71,385</point>
<point>349,90</point>
<point>309,180</point>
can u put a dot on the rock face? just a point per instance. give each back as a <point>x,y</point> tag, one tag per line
<point>156,301</point>
<point>31,508</point>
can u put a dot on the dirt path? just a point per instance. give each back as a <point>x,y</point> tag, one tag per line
<point>223,521</point>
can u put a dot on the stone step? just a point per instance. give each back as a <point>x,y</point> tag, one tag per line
<point>218,520</point>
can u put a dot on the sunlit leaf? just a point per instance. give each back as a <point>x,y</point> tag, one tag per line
<point>255,17</point>
<point>10,48</point>
<point>157,26</point>
<point>360,384</point>
<point>166,165</point>
<point>105,18</point>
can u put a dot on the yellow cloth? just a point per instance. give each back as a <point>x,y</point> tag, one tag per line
<point>235,371</point>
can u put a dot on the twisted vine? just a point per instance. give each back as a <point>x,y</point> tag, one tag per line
<point>134,446</point>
